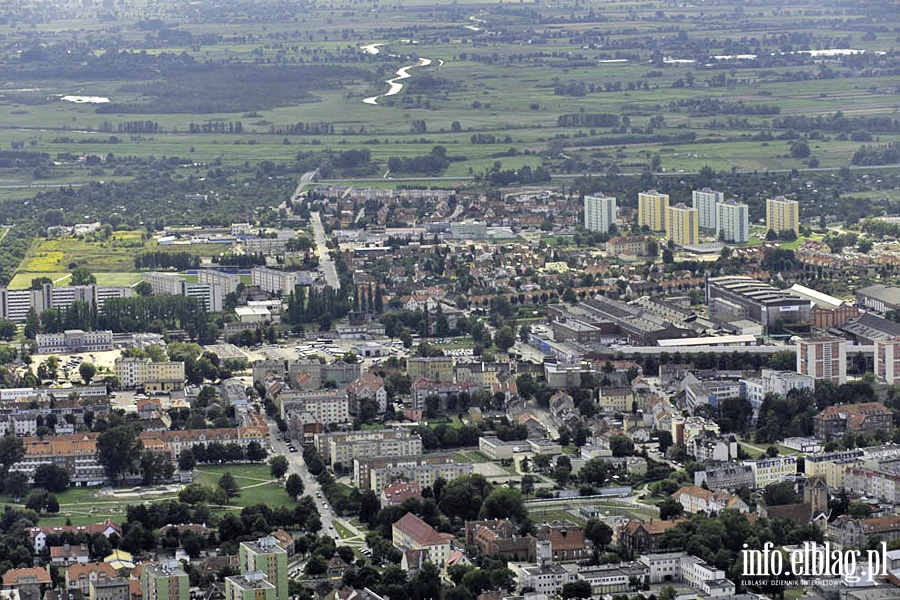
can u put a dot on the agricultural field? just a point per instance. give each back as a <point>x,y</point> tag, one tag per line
<point>575,87</point>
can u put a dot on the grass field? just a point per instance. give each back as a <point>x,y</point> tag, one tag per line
<point>255,481</point>
<point>84,506</point>
<point>113,255</point>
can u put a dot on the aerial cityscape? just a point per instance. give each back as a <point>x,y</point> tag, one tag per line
<point>449,300</point>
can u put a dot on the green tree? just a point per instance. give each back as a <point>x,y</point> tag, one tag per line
<point>278,466</point>
<point>51,477</point>
<point>599,533</point>
<point>32,324</point>
<point>670,509</point>
<point>504,503</point>
<point>229,486</point>
<point>594,472</point>
<point>119,449</point>
<point>143,288</point>
<point>87,370</point>
<point>294,485</point>
<point>82,276</point>
<point>576,589</point>
<point>12,450</point>
<point>186,460</point>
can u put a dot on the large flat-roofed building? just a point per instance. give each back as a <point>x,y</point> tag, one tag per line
<point>599,213</point>
<point>653,210</point>
<point>823,358</point>
<point>706,202</point>
<point>134,372</point>
<point>274,281</point>
<point>165,581</point>
<point>210,295</point>
<point>878,297</point>
<point>15,304</point>
<point>228,281</point>
<point>732,222</point>
<point>343,447</point>
<point>74,340</point>
<point>640,326</point>
<point>682,225</point>
<point>782,215</point>
<point>758,301</point>
<point>437,368</point>
<point>267,556</point>
<point>252,586</point>
<point>887,360</point>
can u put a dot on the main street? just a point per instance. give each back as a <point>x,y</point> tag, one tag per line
<point>325,260</point>
<point>312,488</point>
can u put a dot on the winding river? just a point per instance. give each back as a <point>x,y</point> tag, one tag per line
<point>394,83</point>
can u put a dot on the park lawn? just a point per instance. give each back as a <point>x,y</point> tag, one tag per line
<point>752,452</point>
<point>255,482</point>
<point>244,474</point>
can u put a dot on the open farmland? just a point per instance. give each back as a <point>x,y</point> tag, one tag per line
<point>575,87</point>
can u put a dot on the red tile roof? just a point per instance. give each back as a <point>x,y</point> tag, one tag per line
<point>421,532</point>
<point>15,577</point>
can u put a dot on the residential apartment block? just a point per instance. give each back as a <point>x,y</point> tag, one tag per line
<point>653,210</point>
<point>682,227</point>
<point>377,473</point>
<point>438,368</point>
<point>229,282</point>
<point>164,581</point>
<point>782,215</point>
<point>274,281</point>
<point>863,419</point>
<point>599,213</point>
<point>15,304</point>
<point>343,447</point>
<point>887,360</point>
<point>210,295</point>
<point>823,358</point>
<point>155,376</point>
<point>772,470</point>
<point>706,202</point>
<point>265,555</point>
<point>733,222</point>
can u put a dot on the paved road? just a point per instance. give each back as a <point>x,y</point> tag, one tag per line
<point>297,465</point>
<point>306,179</point>
<point>325,260</point>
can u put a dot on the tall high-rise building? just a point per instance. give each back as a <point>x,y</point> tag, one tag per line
<point>267,556</point>
<point>823,358</point>
<point>251,586</point>
<point>165,581</point>
<point>782,215</point>
<point>599,213</point>
<point>682,225</point>
<point>653,210</point>
<point>887,360</point>
<point>705,202</point>
<point>733,221</point>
